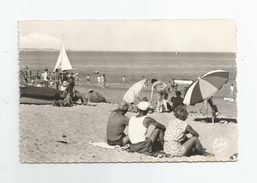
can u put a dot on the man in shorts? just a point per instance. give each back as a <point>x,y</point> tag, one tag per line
<point>117,123</point>
<point>137,131</point>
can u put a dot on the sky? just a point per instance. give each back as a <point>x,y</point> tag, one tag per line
<point>130,35</point>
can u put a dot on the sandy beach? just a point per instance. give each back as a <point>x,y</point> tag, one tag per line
<point>51,134</point>
<point>59,135</point>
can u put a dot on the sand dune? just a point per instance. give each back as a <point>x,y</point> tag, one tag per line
<point>60,135</point>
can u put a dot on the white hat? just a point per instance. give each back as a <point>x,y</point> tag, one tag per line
<point>143,105</point>
<point>90,90</point>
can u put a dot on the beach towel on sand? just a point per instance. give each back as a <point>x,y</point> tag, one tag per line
<point>107,146</point>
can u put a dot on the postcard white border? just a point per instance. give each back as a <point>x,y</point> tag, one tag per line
<point>242,11</point>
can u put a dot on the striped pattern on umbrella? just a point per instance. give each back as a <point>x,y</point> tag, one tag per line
<point>206,86</point>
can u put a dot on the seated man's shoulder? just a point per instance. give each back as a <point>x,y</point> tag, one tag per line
<point>148,119</point>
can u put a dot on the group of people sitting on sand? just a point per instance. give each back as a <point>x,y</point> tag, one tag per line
<point>68,96</point>
<point>163,104</point>
<point>174,140</point>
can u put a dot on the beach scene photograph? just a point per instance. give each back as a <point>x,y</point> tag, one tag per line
<point>123,91</point>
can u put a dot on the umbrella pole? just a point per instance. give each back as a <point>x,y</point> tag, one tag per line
<point>139,99</point>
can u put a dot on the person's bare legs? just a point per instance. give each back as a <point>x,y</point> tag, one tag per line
<point>125,140</point>
<point>191,143</point>
<point>161,138</point>
<point>159,103</point>
<point>156,135</point>
<point>158,107</point>
<point>165,104</point>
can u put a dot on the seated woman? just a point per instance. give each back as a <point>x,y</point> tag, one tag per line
<point>176,141</point>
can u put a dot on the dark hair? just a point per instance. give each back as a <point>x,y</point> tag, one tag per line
<point>90,91</point>
<point>181,112</point>
<point>46,69</point>
<point>153,81</point>
<point>145,99</point>
<point>178,93</point>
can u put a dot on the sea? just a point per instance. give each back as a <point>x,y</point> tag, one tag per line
<point>134,65</point>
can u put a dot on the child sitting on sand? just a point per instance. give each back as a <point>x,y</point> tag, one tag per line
<point>176,101</point>
<point>176,141</point>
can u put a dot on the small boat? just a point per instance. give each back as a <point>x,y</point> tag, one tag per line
<point>37,95</point>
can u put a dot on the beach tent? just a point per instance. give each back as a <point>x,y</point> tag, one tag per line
<point>206,86</point>
<point>134,91</point>
<point>63,62</point>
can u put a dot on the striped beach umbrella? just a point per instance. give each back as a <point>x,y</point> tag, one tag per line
<point>205,86</point>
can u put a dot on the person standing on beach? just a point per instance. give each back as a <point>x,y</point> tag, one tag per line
<point>116,125</point>
<point>25,75</point>
<point>98,80</point>
<point>88,78</point>
<point>45,78</point>
<point>161,89</point>
<point>104,80</point>
<point>137,131</point>
<point>57,79</point>
<point>124,79</point>
<point>173,85</point>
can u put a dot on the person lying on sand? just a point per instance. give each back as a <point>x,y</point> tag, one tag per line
<point>116,125</point>
<point>95,97</point>
<point>176,141</point>
<point>137,130</point>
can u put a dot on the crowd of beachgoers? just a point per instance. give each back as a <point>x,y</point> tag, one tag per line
<point>176,139</point>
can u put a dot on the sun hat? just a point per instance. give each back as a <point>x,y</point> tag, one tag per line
<point>90,90</point>
<point>143,105</point>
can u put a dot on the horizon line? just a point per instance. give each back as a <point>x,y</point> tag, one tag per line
<point>72,50</point>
